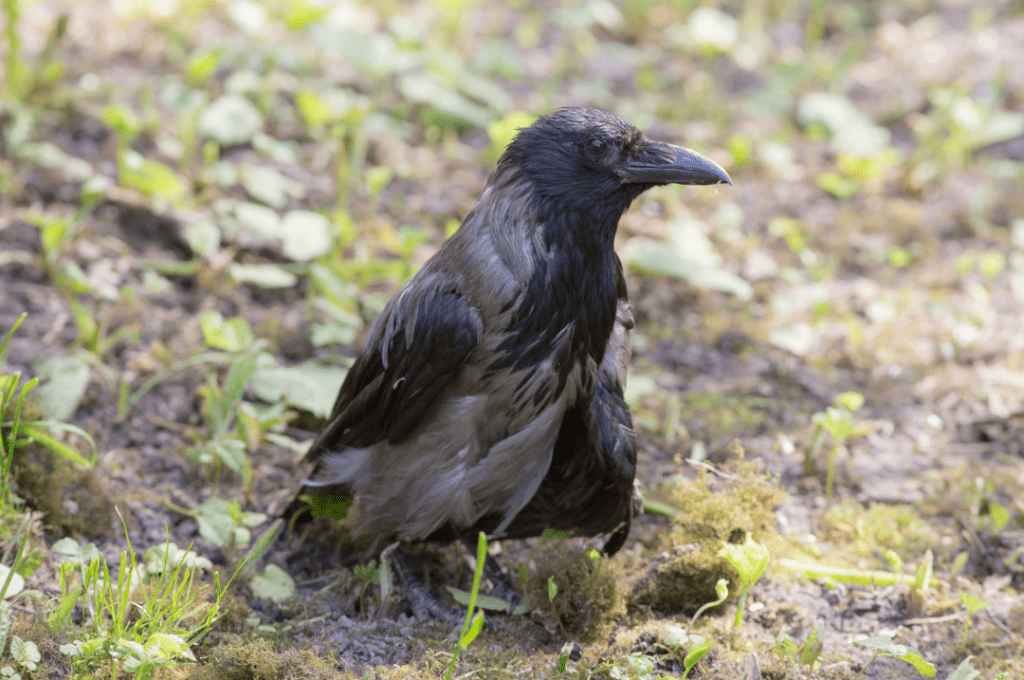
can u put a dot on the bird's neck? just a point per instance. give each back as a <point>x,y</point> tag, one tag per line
<point>567,310</point>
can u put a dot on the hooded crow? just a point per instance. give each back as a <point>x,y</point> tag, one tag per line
<point>489,395</point>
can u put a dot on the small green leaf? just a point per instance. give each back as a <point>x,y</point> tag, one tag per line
<point>151,177</point>
<point>502,131</point>
<point>786,646</point>
<point>161,648</point>
<point>231,452</point>
<point>301,14</point>
<point>552,589</point>
<point>25,653</point>
<point>852,130</point>
<point>68,378</point>
<point>273,584</point>
<point>314,111</point>
<point>474,629</point>
<point>305,235</point>
<point>676,636</point>
<point>999,514</point>
<point>269,186</point>
<point>914,658</point>
<point>231,119</point>
<point>16,585</point>
<point>965,671</point>
<point>814,645</point>
<point>121,119</point>
<point>265,275</point>
<point>991,263</point>
<point>449,107</point>
<point>367,573</point>
<point>881,643</point>
<point>216,521</point>
<point>852,401</point>
<point>231,335</point>
<point>688,255</point>
<point>654,507</point>
<point>972,603</point>
<point>696,651</point>
<point>311,386</point>
<point>749,559</point>
<point>550,534</point>
<point>201,65</point>
<point>839,186</point>
<point>488,602</point>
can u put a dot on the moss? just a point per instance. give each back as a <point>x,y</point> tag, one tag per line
<point>257,660</point>
<point>682,583</point>
<point>712,511</point>
<point>726,508</point>
<point>73,501</point>
<point>866,531</point>
<point>588,595</point>
<point>719,415</point>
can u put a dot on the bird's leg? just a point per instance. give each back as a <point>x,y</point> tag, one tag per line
<point>424,601</point>
<point>503,588</point>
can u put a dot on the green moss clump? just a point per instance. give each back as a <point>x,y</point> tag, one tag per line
<point>715,416</point>
<point>726,508</point>
<point>682,583</point>
<point>73,501</point>
<point>257,660</point>
<point>712,511</point>
<point>588,596</point>
<point>867,531</point>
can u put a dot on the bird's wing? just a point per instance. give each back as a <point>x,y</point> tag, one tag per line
<point>414,351</point>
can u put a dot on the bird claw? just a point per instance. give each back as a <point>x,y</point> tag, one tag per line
<point>426,603</point>
<point>503,588</point>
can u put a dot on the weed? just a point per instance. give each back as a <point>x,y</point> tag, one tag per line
<point>974,605</point>
<point>474,623</point>
<point>696,646</point>
<point>750,561</point>
<point>837,420</point>
<point>224,523</point>
<point>806,654</point>
<point>883,646</point>
<point>722,590</point>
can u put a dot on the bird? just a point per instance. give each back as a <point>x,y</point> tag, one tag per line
<point>489,394</point>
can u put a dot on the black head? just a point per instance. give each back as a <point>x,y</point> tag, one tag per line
<point>596,162</point>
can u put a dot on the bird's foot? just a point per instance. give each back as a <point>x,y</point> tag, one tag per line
<point>503,588</point>
<point>425,602</point>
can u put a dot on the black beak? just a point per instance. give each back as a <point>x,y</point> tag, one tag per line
<point>689,167</point>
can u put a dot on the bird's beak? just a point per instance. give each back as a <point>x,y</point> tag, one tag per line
<point>688,167</point>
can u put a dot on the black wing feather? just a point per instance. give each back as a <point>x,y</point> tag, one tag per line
<point>380,402</point>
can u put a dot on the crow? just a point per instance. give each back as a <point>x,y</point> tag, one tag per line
<point>489,394</point>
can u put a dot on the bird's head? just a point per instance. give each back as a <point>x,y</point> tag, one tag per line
<point>595,162</point>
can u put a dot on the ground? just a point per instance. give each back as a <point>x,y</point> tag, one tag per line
<point>204,205</point>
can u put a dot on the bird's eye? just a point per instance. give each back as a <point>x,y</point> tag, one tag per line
<point>596,146</point>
